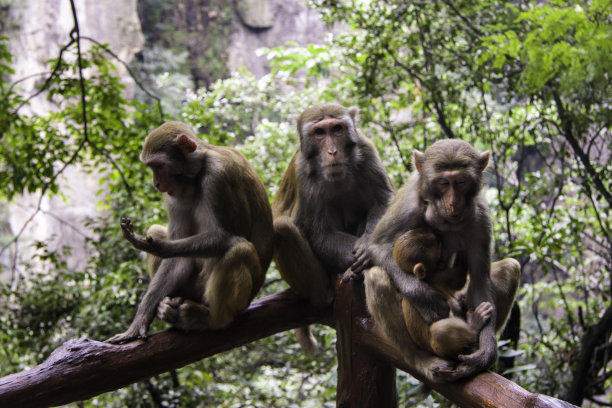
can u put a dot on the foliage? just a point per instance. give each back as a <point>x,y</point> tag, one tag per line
<point>527,81</point>
<point>530,82</point>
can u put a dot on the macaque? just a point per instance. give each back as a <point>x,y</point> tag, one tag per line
<point>443,194</point>
<point>331,197</point>
<point>210,261</point>
<point>419,252</point>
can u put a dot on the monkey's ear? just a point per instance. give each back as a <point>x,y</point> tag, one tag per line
<point>483,160</point>
<point>354,112</point>
<point>418,158</point>
<point>186,144</point>
<point>419,270</point>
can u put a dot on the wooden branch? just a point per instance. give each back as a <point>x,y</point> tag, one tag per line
<point>364,379</point>
<point>83,368</point>
<point>487,389</point>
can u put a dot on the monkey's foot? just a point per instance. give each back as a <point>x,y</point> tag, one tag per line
<point>440,371</point>
<point>184,314</point>
<point>127,336</point>
<point>479,316</point>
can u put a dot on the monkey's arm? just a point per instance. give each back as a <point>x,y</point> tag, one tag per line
<point>171,273</point>
<point>334,248</point>
<point>383,193</point>
<point>210,243</point>
<point>480,289</point>
<point>398,219</point>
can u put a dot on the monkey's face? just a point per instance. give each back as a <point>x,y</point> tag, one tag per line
<point>330,145</point>
<point>173,160</point>
<point>161,177</point>
<point>453,191</point>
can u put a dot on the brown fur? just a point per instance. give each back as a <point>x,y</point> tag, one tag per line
<point>443,194</point>
<point>210,261</point>
<point>331,196</point>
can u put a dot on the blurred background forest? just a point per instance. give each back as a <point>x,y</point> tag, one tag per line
<point>82,83</point>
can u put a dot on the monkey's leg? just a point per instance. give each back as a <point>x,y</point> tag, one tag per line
<point>505,277</point>
<point>298,265</point>
<point>157,232</point>
<point>300,268</point>
<point>454,336</point>
<point>384,303</point>
<point>447,337</point>
<point>225,288</point>
<point>173,273</point>
<point>229,288</point>
<point>418,329</point>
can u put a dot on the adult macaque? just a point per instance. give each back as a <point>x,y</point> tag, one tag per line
<point>331,197</point>
<point>419,252</point>
<point>443,193</point>
<point>210,261</point>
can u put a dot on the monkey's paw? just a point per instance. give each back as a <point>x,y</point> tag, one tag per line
<point>442,371</point>
<point>361,260</point>
<point>350,275</point>
<point>127,336</point>
<point>127,228</point>
<point>184,314</point>
<point>480,316</point>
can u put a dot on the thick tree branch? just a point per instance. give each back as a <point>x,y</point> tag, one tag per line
<point>83,368</point>
<point>487,389</point>
<point>589,362</point>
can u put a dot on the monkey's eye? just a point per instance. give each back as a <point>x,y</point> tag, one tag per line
<point>442,182</point>
<point>337,128</point>
<point>318,132</point>
<point>460,180</point>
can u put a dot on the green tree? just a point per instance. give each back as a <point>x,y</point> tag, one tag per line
<point>527,81</point>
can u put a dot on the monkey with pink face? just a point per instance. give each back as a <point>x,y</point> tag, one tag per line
<point>211,259</point>
<point>331,197</point>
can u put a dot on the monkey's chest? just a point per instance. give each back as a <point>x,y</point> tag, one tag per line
<point>352,222</point>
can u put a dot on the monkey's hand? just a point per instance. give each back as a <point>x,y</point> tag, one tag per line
<point>147,244</point>
<point>361,259</point>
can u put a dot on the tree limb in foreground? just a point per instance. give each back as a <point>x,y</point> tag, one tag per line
<point>83,368</point>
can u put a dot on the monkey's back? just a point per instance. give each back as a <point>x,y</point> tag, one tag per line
<point>242,200</point>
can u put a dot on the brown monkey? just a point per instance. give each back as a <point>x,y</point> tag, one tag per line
<point>443,193</point>
<point>330,199</point>
<point>210,261</point>
<point>419,251</point>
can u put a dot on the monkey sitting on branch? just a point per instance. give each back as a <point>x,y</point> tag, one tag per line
<point>331,197</point>
<point>420,252</point>
<point>211,260</point>
<point>443,194</point>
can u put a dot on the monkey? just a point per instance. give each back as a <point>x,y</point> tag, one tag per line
<point>211,259</point>
<point>420,252</point>
<point>332,194</point>
<point>442,193</point>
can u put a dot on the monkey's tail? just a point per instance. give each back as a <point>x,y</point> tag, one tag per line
<point>307,340</point>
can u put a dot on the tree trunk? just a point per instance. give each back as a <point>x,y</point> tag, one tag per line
<point>363,380</point>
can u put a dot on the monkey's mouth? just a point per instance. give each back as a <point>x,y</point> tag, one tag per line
<point>454,218</point>
<point>334,167</point>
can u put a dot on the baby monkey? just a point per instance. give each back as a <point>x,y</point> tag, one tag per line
<point>420,252</point>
